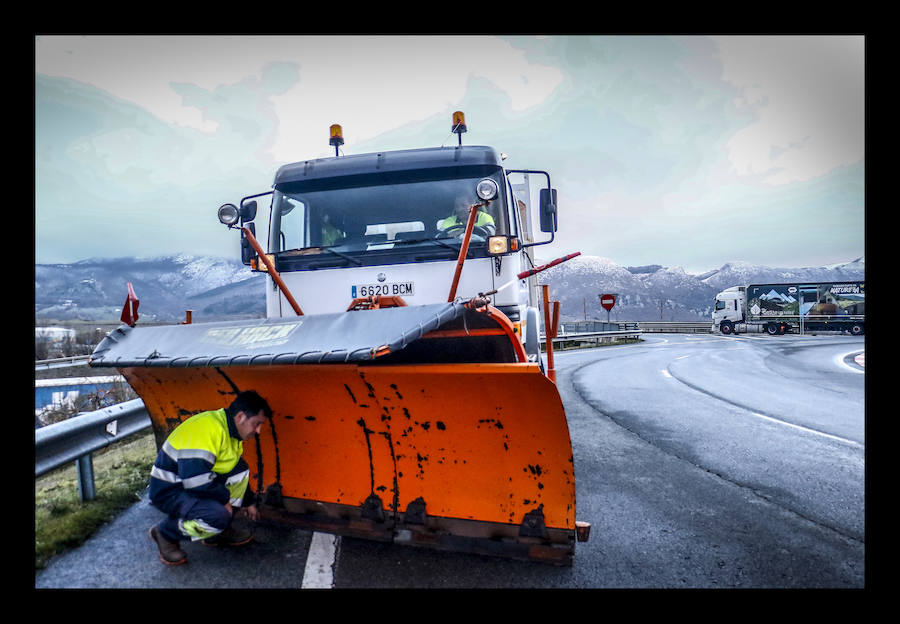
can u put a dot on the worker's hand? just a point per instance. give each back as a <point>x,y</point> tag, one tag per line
<point>252,512</point>
<point>229,509</point>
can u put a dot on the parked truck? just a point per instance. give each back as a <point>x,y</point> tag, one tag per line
<point>780,308</point>
<point>400,355</point>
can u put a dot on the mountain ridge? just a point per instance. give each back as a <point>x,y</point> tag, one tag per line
<point>220,288</point>
<point>656,292</point>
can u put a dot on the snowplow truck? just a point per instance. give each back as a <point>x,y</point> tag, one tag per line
<point>400,355</point>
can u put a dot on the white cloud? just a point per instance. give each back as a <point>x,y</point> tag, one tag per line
<point>368,84</point>
<point>640,134</point>
<point>808,93</point>
<point>141,69</point>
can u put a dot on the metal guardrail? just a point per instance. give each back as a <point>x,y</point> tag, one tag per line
<point>586,327</point>
<point>76,438</point>
<point>75,360</point>
<point>590,329</point>
<point>693,327</point>
<point>595,337</point>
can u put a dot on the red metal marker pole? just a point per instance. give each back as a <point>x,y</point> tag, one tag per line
<point>463,250</point>
<point>130,310</point>
<point>272,271</point>
<point>543,267</point>
<point>549,331</point>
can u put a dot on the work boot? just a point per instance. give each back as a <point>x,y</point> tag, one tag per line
<point>169,552</point>
<point>231,536</point>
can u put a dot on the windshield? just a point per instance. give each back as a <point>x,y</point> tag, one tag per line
<point>359,221</point>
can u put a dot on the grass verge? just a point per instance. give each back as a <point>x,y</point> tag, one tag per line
<point>62,521</point>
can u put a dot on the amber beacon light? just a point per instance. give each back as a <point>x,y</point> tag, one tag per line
<point>459,124</point>
<point>337,137</point>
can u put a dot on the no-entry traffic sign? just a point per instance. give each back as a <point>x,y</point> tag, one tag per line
<point>607,301</point>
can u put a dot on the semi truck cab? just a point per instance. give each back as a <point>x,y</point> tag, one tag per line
<point>729,309</point>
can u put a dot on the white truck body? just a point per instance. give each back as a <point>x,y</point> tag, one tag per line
<point>332,290</point>
<point>780,308</point>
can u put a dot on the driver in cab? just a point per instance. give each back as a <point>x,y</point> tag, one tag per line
<point>455,224</point>
<point>330,234</point>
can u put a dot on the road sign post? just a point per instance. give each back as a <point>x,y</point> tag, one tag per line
<point>607,301</point>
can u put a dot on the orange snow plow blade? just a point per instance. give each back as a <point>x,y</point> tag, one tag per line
<point>468,456</point>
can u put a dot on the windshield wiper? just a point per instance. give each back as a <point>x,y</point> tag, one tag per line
<point>342,255</point>
<point>436,241</point>
<point>305,252</point>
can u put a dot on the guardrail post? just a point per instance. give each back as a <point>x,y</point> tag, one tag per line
<point>86,489</point>
<point>78,437</point>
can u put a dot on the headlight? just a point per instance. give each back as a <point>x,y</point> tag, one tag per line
<point>228,214</point>
<point>498,245</point>
<point>487,189</point>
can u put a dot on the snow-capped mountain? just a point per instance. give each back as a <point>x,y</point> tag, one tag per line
<point>96,289</point>
<point>742,273</point>
<point>217,288</point>
<point>774,295</point>
<point>655,292</point>
<point>641,292</point>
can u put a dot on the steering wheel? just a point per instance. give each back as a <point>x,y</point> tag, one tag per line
<point>476,231</point>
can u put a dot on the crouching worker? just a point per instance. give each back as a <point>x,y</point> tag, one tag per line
<point>200,478</point>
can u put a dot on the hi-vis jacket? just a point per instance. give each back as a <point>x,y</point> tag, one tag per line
<point>202,457</point>
<point>482,219</point>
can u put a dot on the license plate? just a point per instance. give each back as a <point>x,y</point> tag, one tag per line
<point>397,289</point>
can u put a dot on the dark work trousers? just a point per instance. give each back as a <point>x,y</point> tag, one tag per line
<point>189,517</point>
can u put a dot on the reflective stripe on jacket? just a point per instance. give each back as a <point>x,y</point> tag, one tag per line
<point>197,458</point>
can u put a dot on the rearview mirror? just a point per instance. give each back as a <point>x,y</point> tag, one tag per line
<point>248,210</point>
<point>548,210</point>
<point>247,251</point>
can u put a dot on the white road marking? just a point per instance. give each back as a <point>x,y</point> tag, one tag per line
<point>319,573</point>
<point>808,430</point>
<point>839,360</point>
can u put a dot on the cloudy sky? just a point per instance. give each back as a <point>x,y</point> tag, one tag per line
<point>688,151</point>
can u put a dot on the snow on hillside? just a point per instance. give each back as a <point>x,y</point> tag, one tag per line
<point>215,287</point>
<point>655,292</point>
<point>96,288</point>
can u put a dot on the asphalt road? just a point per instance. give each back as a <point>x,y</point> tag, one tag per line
<point>701,462</point>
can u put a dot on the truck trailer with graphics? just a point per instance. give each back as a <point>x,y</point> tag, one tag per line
<point>780,308</point>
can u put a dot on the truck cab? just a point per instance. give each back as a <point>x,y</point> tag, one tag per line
<point>729,309</point>
<point>390,224</point>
